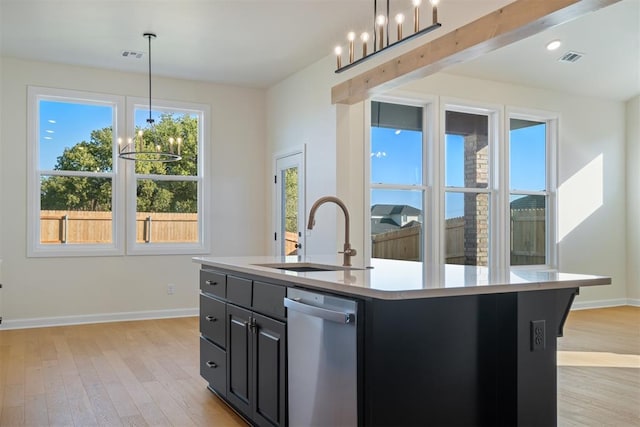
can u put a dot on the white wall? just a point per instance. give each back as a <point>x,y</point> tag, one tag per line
<point>633,199</point>
<point>299,111</point>
<point>93,286</point>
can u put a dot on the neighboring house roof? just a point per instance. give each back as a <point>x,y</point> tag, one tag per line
<point>382,225</point>
<point>528,202</point>
<point>388,210</point>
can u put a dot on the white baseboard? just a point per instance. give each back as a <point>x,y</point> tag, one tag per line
<point>44,322</point>
<point>633,302</point>
<point>603,303</point>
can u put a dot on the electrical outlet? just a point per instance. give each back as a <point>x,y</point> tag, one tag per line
<point>171,289</point>
<point>538,335</point>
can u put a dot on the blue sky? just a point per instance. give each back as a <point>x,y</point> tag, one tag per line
<point>64,124</point>
<point>396,158</point>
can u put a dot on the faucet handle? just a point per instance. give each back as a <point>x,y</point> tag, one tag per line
<point>350,251</point>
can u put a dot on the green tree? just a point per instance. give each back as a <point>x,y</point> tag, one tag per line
<point>94,194</point>
<point>81,193</point>
<point>291,199</point>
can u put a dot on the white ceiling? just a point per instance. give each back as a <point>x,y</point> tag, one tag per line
<point>610,68</point>
<point>258,43</point>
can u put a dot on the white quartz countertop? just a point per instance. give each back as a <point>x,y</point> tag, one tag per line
<point>393,279</point>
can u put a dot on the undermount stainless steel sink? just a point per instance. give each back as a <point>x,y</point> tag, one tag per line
<point>307,267</point>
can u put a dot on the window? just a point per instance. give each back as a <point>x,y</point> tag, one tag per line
<point>471,197</point>
<point>397,181</point>
<point>529,190</point>
<point>73,203</point>
<point>77,183</point>
<point>165,200</point>
<point>467,201</point>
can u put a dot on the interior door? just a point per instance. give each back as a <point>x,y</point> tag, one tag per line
<point>289,205</point>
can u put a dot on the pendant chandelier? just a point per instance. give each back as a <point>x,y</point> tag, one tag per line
<point>381,39</point>
<point>147,145</point>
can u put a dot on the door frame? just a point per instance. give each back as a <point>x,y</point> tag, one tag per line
<point>277,197</point>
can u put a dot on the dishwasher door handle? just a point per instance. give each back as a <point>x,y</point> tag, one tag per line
<point>323,313</point>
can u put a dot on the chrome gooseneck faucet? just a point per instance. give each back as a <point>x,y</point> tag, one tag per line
<point>348,252</point>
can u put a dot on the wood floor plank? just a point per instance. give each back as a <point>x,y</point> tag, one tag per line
<point>35,410</point>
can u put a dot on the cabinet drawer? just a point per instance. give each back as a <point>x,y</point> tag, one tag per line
<point>268,298</point>
<point>239,291</point>
<point>213,283</point>
<point>213,366</point>
<point>212,319</point>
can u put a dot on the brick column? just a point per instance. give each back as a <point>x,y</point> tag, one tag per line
<point>476,206</point>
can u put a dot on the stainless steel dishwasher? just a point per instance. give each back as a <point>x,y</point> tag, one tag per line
<point>322,359</point>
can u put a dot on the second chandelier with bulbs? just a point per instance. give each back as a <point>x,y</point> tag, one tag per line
<point>381,39</point>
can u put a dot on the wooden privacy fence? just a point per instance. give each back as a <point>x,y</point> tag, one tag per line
<point>528,236</point>
<point>528,240</point>
<point>97,227</point>
<point>397,244</point>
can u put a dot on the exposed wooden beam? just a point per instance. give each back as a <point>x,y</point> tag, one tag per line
<point>515,21</point>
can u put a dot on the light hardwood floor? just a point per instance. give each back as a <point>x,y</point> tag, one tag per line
<point>147,373</point>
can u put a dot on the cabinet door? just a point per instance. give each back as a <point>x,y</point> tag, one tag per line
<point>239,347</point>
<point>269,381</point>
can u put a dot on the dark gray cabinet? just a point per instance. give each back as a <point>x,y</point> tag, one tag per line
<point>243,344</point>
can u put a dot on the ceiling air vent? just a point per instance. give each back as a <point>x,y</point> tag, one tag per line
<point>132,54</point>
<point>571,56</point>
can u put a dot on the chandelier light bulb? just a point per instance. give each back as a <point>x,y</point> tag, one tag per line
<point>351,36</point>
<point>434,10</point>
<point>399,21</point>
<point>381,20</point>
<point>365,39</point>
<point>416,15</point>
<point>338,52</point>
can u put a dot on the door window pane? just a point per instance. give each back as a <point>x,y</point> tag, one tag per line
<point>467,228</point>
<point>397,224</point>
<point>527,152</point>
<point>167,211</point>
<point>528,229</point>
<point>466,150</point>
<point>289,228</point>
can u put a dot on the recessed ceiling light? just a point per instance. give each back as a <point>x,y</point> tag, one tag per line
<point>51,121</point>
<point>554,45</point>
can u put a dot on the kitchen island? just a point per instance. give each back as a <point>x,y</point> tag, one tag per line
<point>455,345</point>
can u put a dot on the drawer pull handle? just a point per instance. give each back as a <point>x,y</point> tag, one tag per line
<point>211,318</point>
<point>212,364</point>
<point>211,283</point>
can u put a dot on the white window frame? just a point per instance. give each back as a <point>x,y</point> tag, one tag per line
<point>552,134</point>
<point>35,248</point>
<point>202,246</point>
<point>434,188</point>
<point>123,177</point>
<point>428,105</point>
<point>494,115</point>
